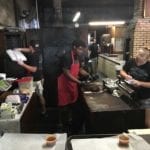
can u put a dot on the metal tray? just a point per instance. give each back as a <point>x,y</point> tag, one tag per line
<point>68,143</point>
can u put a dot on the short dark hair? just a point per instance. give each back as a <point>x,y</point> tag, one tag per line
<point>78,43</point>
<point>34,43</point>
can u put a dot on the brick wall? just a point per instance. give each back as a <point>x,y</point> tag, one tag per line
<point>141,35</point>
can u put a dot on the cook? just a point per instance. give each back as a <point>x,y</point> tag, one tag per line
<point>68,83</point>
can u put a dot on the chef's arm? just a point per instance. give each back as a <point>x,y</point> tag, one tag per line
<point>84,72</point>
<point>145,84</point>
<point>140,83</point>
<point>134,82</point>
<point>125,75</point>
<point>28,67</point>
<point>23,49</point>
<point>70,76</point>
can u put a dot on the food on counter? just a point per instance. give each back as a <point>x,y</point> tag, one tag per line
<point>13,99</point>
<point>123,139</point>
<point>7,111</point>
<point>4,85</point>
<point>4,95</point>
<point>25,91</point>
<point>26,85</point>
<point>92,88</point>
<point>50,140</point>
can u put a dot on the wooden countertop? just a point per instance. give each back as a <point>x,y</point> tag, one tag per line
<point>98,102</point>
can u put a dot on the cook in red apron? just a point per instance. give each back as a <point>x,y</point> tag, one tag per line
<point>67,89</point>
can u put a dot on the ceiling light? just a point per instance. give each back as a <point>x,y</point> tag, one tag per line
<point>76,25</point>
<point>76,17</point>
<point>101,23</point>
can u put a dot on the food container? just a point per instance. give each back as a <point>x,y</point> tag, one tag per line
<point>25,85</point>
<point>50,140</point>
<point>123,139</point>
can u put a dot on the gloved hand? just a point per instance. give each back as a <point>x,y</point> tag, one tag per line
<point>90,78</point>
<point>83,83</point>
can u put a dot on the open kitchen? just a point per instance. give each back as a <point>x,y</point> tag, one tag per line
<point>74,74</point>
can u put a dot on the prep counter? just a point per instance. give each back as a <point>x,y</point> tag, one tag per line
<point>107,142</point>
<point>13,141</point>
<point>109,66</point>
<point>110,114</point>
<point>25,121</point>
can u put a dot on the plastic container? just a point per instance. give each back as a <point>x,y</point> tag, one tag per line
<point>25,85</point>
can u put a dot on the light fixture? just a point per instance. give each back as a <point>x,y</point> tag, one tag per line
<point>101,23</point>
<point>76,25</point>
<point>76,17</point>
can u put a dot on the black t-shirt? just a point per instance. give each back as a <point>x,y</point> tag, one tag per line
<point>66,60</point>
<point>94,50</point>
<point>141,73</point>
<point>33,60</point>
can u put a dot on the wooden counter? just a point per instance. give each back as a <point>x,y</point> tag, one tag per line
<point>109,114</point>
<point>99,102</point>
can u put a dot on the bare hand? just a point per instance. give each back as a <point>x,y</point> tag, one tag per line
<point>20,62</point>
<point>136,83</point>
<point>16,49</point>
<point>128,77</point>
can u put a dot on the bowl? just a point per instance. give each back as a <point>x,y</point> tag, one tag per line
<point>123,140</point>
<point>51,140</point>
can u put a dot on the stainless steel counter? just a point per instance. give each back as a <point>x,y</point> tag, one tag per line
<point>12,141</point>
<point>116,60</point>
<point>109,66</point>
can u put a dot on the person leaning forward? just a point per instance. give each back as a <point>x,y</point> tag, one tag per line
<point>68,81</point>
<point>137,71</point>
<point>32,67</point>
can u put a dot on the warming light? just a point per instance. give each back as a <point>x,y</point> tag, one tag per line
<point>101,23</point>
<point>76,17</point>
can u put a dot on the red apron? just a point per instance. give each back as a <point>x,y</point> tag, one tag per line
<point>67,89</point>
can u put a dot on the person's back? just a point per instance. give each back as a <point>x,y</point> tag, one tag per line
<point>93,48</point>
<point>33,60</point>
